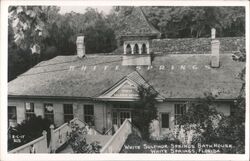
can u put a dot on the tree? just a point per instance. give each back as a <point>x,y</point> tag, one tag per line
<point>203,118</point>
<point>29,25</point>
<point>146,110</point>
<point>99,36</point>
<point>175,22</point>
<point>18,59</point>
<point>27,30</point>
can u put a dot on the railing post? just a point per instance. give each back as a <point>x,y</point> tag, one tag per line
<point>45,137</point>
<point>52,139</point>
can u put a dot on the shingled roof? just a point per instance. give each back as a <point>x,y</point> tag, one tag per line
<point>136,24</point>
<point>53,78</point>
<point>191,45</point>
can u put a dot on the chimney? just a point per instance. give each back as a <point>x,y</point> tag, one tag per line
<point>80,47</point>
<point>215,50</point>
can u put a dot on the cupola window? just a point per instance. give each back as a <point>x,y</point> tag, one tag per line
<point>136,49</point>
<point>144,49</point>
<point>128,49</point>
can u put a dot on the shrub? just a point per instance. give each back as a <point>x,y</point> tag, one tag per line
<point>27,131</point>
<point>78,142</point>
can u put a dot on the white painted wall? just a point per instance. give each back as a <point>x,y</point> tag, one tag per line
<point>102,111</point>
<point>166,107</point>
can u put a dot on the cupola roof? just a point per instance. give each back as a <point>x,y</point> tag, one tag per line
<point>136,24</point>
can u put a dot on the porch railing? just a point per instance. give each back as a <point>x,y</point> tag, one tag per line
<point>109,131</point>
<point>114,145</point>
<point>38,145</point>
<point>60,135</point>
<point>91,130</point>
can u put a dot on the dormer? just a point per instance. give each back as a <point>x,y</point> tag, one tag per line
<point>136,38</point>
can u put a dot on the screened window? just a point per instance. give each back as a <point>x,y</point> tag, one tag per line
<point>165,120</point>
<point>89,114</point>
<point>49,112</point>
<point>29,110</point>
<point>179,109</point>
<point>68,112</point>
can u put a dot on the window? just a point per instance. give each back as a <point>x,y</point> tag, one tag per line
<point>29,110</point>
<point>136,49</point>
<point>12,113</point>
<point>68,112</point>
<point>49,112</point>
<point>89,114</point>
<point>128,49</point>
<point>179,110</point>
<point>124,115</point>
<point>164,120</point>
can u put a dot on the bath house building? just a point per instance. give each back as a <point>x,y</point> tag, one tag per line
<point>101,89</point>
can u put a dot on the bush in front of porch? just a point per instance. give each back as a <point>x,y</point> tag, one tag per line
<point>78,142</point>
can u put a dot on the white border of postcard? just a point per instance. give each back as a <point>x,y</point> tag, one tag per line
<point>3,62</point>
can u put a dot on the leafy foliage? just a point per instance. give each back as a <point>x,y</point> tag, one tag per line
<point>78,142</point>
<point>211,126</point>
<point>204,116</point>
<point>202,109</point>
<point>27,131</point>
<point>29,24</point>
<point>196,21</point>
<point>145,111</point>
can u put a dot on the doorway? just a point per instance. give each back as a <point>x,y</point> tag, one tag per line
<point>120,116</point>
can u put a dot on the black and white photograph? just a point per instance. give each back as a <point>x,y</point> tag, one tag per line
<point>127,79</point>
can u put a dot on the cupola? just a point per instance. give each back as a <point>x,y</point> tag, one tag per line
<point>136,38</point>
